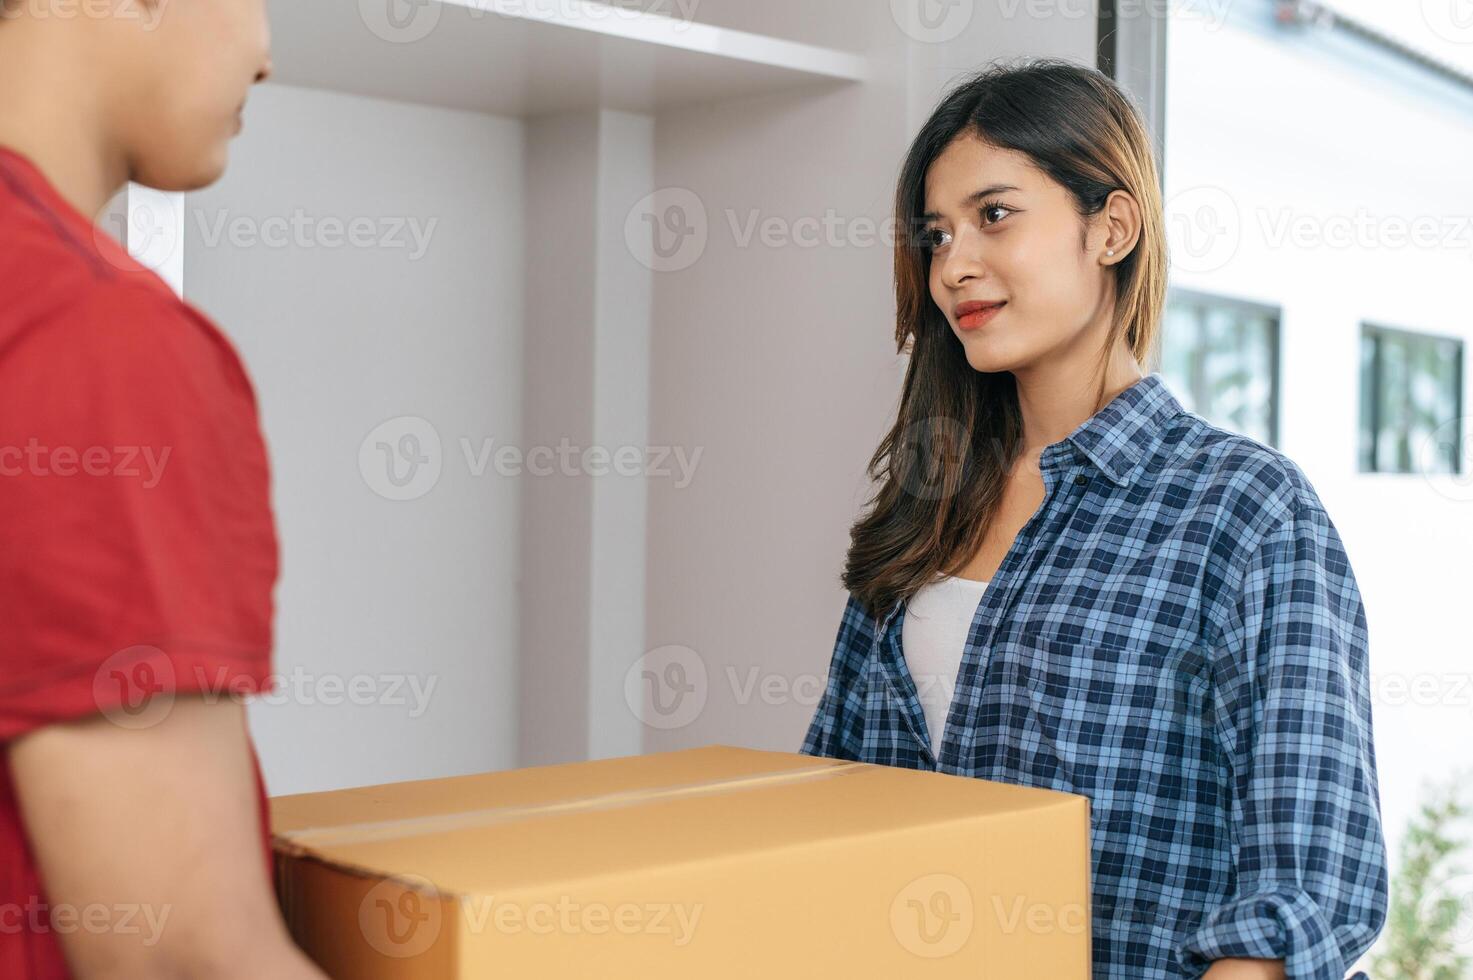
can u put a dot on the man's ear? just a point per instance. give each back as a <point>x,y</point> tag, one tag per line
<point>151,11</point>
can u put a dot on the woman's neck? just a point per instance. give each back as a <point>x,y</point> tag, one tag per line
<point>1058,402</point>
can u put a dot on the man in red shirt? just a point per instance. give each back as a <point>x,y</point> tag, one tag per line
<point>137,546</point>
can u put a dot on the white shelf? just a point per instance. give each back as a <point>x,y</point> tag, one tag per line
<point>529,57</point>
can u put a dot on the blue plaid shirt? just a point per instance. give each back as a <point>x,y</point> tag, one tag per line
<point>1177,635</point>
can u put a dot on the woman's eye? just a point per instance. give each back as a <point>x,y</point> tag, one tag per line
<point>994,207</point>
<point>930,238</point>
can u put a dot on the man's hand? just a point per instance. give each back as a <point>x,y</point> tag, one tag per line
<point>163,822</point>
<point>1245,969</point>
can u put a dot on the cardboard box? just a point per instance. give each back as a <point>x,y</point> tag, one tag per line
<point>703,864</point>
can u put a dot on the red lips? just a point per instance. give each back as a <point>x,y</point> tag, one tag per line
<point>973,313</point>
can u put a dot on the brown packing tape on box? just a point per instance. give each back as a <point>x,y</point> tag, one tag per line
<point>711,863</point>
<point>441,822</point>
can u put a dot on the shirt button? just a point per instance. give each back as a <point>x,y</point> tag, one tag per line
<point>1080,479</point>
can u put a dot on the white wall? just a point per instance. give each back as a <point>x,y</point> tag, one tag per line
<point>341,338</point>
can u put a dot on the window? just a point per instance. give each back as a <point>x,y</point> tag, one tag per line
<point>1221,357</point>
<point>1410,402</point>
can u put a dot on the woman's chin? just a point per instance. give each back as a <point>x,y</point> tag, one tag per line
<point>984,354</point>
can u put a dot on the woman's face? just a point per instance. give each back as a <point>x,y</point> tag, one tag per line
<point>999,230</point>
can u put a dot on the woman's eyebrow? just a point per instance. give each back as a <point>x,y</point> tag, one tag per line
<point>974,198</point>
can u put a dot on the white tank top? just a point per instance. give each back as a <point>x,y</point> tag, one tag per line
<point>932,636</point>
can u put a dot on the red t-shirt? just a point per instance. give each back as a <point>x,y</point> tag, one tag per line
<point>137,546</point>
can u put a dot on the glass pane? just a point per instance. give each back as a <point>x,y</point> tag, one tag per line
<point>1414,385</point>
<point>1218,354</point>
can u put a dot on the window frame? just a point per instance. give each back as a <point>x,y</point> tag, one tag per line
<point>1203,298</point>
<point>1369,330</point>
<point>1132,51</point>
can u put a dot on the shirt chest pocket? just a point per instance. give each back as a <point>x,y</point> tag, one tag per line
<point>1103,702</point>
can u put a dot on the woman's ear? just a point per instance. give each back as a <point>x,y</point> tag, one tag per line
<point>1121,216</point>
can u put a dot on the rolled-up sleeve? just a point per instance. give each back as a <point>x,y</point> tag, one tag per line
<point>1292,692</point>
<point>837,726</point>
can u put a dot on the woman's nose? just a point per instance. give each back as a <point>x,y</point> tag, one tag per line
<point>963,259</point>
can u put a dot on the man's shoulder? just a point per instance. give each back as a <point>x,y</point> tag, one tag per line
<point>50,250</point>
<point>68,282</point>
<point>103,324</point>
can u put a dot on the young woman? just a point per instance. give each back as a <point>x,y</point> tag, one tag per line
<point>1066,580</point>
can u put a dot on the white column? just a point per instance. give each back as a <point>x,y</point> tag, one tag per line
<point>621,386</point>
<point>586,379</point>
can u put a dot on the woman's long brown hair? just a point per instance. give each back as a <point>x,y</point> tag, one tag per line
<point>943,466</point>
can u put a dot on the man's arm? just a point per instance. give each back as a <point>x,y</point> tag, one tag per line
<point>1245,969</point>
<point>163,821</point>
